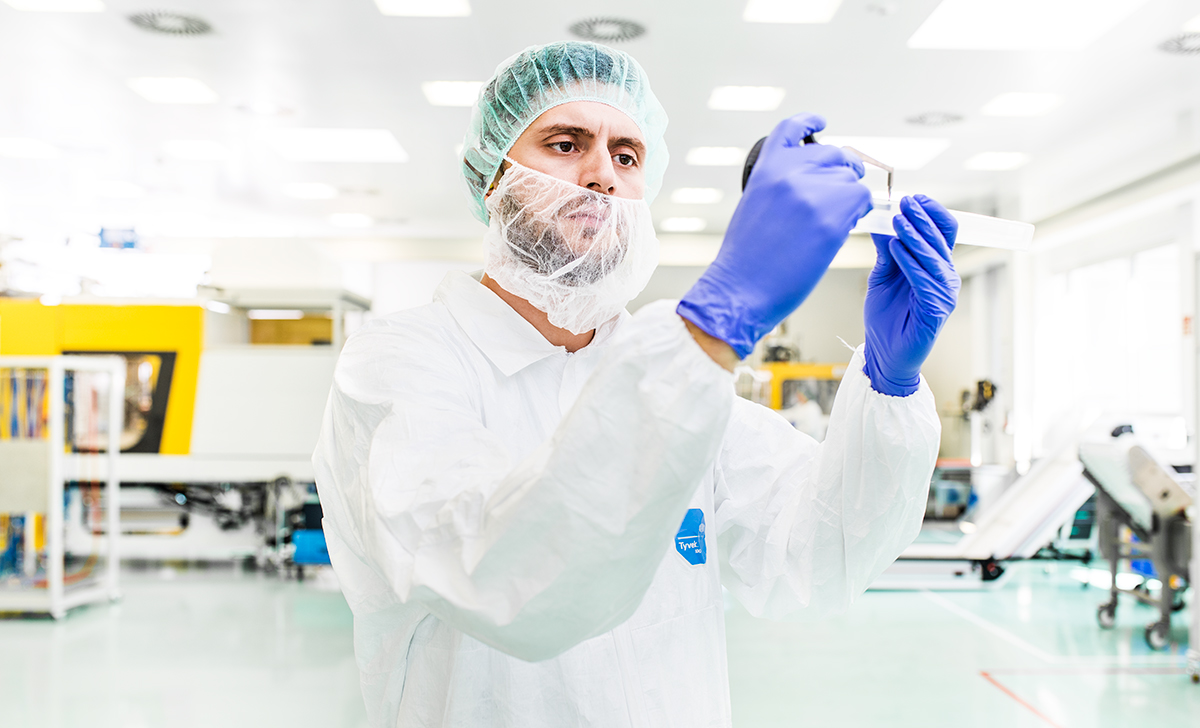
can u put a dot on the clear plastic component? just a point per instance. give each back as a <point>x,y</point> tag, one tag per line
<point>973,229</point>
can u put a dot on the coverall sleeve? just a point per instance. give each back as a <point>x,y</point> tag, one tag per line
<point>808,526</point>
<point>531,556</point>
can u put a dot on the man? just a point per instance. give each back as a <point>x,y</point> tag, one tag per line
<point>526,489</point>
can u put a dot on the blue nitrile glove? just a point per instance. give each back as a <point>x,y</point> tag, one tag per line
<point>799,205</point>
<point>910,294</point>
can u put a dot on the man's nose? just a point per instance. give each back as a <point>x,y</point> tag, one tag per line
<point>598,173</point>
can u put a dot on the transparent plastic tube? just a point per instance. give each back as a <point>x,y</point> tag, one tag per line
<point>973,229</point>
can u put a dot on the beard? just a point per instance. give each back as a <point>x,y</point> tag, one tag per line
<point>575,253</point>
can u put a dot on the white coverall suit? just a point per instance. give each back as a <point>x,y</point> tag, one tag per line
<point>529,538</point>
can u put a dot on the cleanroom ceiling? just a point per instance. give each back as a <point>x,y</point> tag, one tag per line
<point>86,139</point>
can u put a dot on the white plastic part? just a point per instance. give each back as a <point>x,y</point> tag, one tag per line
<point>973,229</point>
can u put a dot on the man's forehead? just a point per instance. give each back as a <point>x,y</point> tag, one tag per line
<point>590,115</point>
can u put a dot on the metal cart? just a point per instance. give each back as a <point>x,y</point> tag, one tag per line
<point>1140,514</point>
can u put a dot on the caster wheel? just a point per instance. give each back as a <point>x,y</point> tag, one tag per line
<point>1106,615</point>
<point>1196,677</point>
<point>1158,635</point>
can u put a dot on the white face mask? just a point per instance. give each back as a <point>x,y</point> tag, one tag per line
<point>575,254</point>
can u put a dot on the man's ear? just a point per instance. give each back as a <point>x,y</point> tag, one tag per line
<point>496,180</point>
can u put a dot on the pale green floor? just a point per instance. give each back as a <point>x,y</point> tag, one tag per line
<point>221,648</point>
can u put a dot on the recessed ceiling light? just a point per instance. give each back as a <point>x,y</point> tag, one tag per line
<point>746,98</point>
<point>1021,104</point>
<point>790,11</point>
<point>716,156</point>
<point>451,93</point>
<point>1185,44</point>
<point>195,150</point>
<point>23,148</point>
<point>1020,25</point>
<point>425,8</point>
<point>1192,26</point>
<point>164,90</point>
<point>337,145</point>
<point>696,196</point>
<point>119,190</point>
<point>167,23</point>
<point>934,118</point>
<point>996,161</point>
<point>351,220</point>
<point>682,225</point>
<point>310,191</point>
<point>607,30</point>
<point>274,314</point>
<point>900,152</point>
<point>57,6</point>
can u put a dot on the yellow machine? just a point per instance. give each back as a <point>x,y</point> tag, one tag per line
<point>161,343</point>
<point>789,377</point>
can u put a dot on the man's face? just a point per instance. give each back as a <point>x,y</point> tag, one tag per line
<point>589,144</point>
<point>594,149</point>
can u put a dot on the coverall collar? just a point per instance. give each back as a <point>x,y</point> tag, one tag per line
<point>509,341</point>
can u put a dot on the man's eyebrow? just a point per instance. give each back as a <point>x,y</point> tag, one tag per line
<point>580,131</point>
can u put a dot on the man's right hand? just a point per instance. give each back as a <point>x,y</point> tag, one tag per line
<point>799,205</point>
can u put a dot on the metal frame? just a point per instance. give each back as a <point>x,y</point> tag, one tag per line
<point>56,599</point>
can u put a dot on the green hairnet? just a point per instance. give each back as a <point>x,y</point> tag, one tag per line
<point>542,77</point>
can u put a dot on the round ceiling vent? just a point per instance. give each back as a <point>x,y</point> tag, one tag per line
<point>161,21</point>
<point>1187,44</point>
<point>607,29</point>
<point>934,118</point>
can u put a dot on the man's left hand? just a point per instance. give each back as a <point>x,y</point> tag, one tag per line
<point>910,294</point>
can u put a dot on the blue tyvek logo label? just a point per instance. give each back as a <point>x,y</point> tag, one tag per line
<point>689,542</point>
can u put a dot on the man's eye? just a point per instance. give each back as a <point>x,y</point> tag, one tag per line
<point>626,160</point>
<point>564,147</point>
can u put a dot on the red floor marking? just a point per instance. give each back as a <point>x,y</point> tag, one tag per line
<point>1015,697</point>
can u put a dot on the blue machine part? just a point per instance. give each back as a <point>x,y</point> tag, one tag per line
<point>310,547</point>
<point>689,541</point>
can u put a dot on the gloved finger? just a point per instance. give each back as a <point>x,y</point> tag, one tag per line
<point>935,298</point>
<point>791,131</point>
<point>823,155</point>
<point>934,262</point>
<point>885,264</point>
<point>941,217</point>
<point>924,226</point>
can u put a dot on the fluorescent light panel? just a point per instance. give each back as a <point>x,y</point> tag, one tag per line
<point>25,148</point>
<point>114,189</point>
<point>746,98</point>
<point>696,196</point>
<point>425,8</point>
<point>351,220</point>
<point>337,145</point>
<point>905,153</point>
<point>716,156</point>
<point>1021,104</point>
<point>451,93</point>
<point>682,225</point>
<point>195,150</point>
<point>310,191</point>
<point>1020,25</point>
<point>57,6</point>
<point>996,161</point>
<point>274,314</point>
<point>173,90</point>
<point>790,11</point>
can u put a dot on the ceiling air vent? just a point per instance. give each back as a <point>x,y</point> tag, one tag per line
<point>1187,44</point>
<point>160,21</point>
<point>934,118</point>
<point>607,29</point>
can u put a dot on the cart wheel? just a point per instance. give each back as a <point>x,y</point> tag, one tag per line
<point>1158,635</point>
<point>1177,602</point>
<point>1106,615</point>
<point>1196,677</point>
